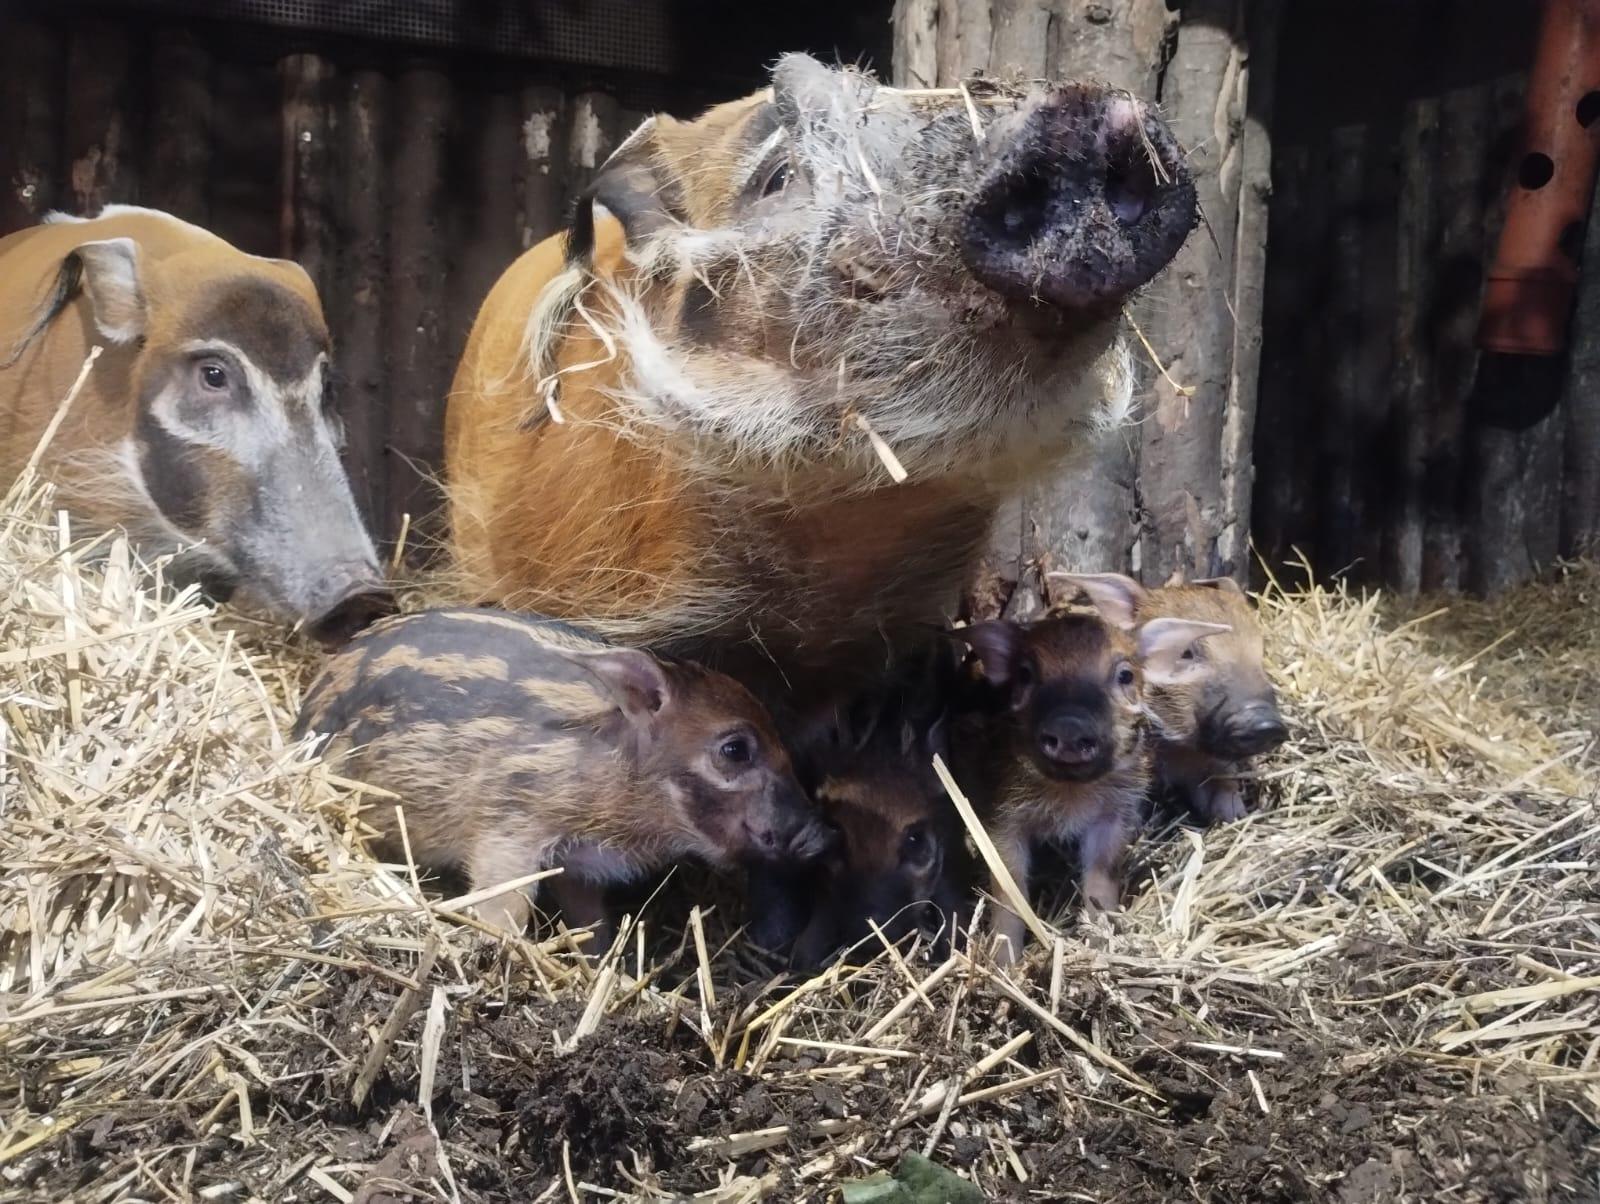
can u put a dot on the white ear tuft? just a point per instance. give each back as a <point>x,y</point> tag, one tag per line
<point>1226,584</point>
<point>111,282</point>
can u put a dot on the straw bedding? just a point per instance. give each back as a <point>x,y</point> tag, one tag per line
<point>1385,985</point>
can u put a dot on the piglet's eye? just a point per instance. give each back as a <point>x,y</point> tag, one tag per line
<point>777,181</point>
<point>1188,653</point>
<point>736,750</point>
<point>213,375</point>
<point>1125,676</point>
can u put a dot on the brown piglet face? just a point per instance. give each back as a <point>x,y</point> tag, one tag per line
<point>1073,688</point>
<point>717,757</point>
<point>1209,692</point>
<point>900,861</point>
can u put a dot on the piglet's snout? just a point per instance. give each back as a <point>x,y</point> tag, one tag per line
<point>1086,197</point>
<point>1252,730</point>
<point>786,828</point>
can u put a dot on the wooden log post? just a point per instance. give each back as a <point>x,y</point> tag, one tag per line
<point>1580,502</point>
<point>358,313</point>
<point>1182,500</point>
<point>1452,320</point>
<point>542,170</point>
<point>305,199</point>
<point>1187,311</point>
<point>415,329</point>
<point>99,145</point>
<point>1413,368</point>
<point>32,75</point>
<point>179,152</point>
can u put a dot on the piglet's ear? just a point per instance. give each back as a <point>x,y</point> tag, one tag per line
<point>635,680</point>
<point>1162,643</point>
<point>111,281</point>
<point>631,186</point>
<point>1116,597</point>
<point>998,645</point>
<point>1226,584</point>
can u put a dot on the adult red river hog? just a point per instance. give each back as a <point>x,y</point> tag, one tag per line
<point>202,428</point>
<point>664,423</point>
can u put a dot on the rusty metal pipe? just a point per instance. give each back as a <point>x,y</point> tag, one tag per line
<point>1528,294</point>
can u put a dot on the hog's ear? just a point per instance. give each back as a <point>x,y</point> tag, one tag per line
<point>633,189</point>
<point>1226,584</point>
<point>1164,643</point>
<point>998,645</point>
<point>1116,597</point>
<point>110,274</point>
<point>635,680</point>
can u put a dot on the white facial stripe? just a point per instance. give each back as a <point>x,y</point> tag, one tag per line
<point>755,160</point>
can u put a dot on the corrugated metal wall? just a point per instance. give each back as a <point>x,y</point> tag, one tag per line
<point>1394,136</point>
<point>405,177</point>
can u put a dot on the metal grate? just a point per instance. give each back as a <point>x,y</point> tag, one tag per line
<point>628,35</point>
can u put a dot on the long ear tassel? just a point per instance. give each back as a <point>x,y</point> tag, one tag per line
<point>66,285</point>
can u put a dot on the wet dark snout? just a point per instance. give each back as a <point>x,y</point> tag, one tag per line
<point>1086,198</point>
<point>1074,743</point>
<point>358,608</point>
<point>1249,731</point>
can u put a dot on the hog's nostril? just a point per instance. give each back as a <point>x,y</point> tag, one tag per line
<point>350,615</point>
<point>1013,215</point>
<point>1130,188</point>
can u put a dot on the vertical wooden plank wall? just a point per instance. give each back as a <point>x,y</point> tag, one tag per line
<point>403,184</point>
<point>1388,196</point>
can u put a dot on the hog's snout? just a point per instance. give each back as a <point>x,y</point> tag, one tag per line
<point>1088,199</point>
<point>1249,731</point>
<point>358,608</point>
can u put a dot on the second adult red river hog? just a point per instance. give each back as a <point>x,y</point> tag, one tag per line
<point>518,744</point>
<point>1215,709</point>
<point>204,428</point>
<point>1065,757</point>
<point>663,424</point>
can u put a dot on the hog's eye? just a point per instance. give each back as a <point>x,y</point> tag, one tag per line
<point>777,181</point>
<point>736,750</point>
<point>1125,676</point>
<point>1188,653</point>
<point>916,847</point>
<point>213,375</point>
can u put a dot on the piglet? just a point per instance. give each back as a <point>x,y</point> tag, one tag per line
<point>1065,755</point>
<point>901,858</point>
<point>1213,708</point>
<point>518,743</point>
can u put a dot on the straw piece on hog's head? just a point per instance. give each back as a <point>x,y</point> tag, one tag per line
<point>1212,705</point>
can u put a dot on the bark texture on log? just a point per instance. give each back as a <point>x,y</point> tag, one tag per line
<point>1187,311</point>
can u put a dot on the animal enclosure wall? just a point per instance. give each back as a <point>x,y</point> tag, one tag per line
<point>1395,138</point>
<point>403,152</point>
